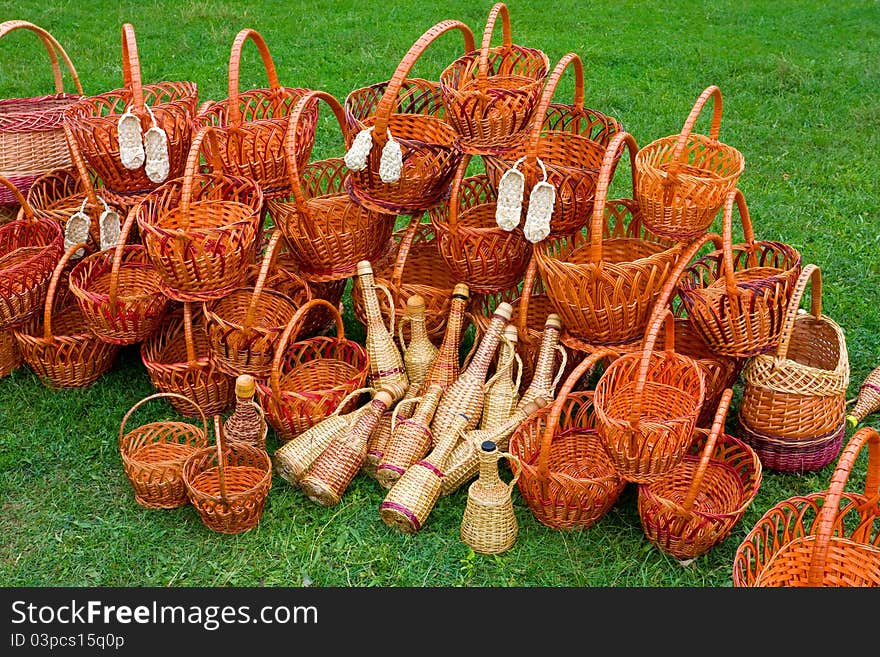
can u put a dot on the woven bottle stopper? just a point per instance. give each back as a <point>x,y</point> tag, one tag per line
<point>420,352</point>
<point>544,381</point>
<point>502,389</point>
<point>868,399</point>
<point>489,525</point>
<point>246,424</point>
<point>444,368</point>
<point>332,472</point>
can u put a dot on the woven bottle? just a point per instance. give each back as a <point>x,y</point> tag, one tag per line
<point>386,362</point>
<point>410,500</point>
<point>467,393</point>
<point>544,381</point>
<point>444,368</point>
<point>295,457</point>
<point>420,352</point>
<point>868,399</point>
<point>502,389</point>
<point>411,437</point>
<point>464,462</point>
<point>489,525</point>
<point>333,470</point>
<point>246,424</point>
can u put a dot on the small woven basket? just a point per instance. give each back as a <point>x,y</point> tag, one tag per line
<point>251,125</point>
<point>695,507</point>
<point>831,538</point>
<point>228,483</point>
<point>408,112</point>
<point>683,179</point>
<point>490,95</point>
<point>153,455</point>
<point>31,137</point>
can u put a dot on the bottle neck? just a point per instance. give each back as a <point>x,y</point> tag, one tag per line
<point>447,441</point>
<point>360,433</point>
<point>418,330</point>
<point>428,405</point>
<point>444,367</point>
<point>489,468</point>
<point>482,358</point>
<point>543,376</point>
<point>372,309</point>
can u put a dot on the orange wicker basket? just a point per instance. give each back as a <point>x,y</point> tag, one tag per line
<point>406,114</point>
<point>200,230</point>
<point>166,107</point>
<point>251,126</point>
<point>737,296</point>
<point>570,142</point>
<point>490,94</point>
<point>830,538</point>
<point>310,377</point>
<point>326,231</point>
<point>10,354</point>
<point>684,179</point>
<point>695,507</point>
<point>31,138</point>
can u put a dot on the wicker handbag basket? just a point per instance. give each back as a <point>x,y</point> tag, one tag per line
<point>168,107</point>
<point>799,391</point>
<point>476,250</point>
<point>62,350</point>
<point>737,296</point>
<point>604,282</point>
<point>309,378</point>
<point>31,137</point>
<point>200,230</point>
<point>178,359</point>
<point>490,95</point>
<point>325,230</point>
<point>251,126</point>
<point>30,248</point>
<point>569,141</point>
<point>153,455</point>
<point>695,507</point>
<point>830,538</point>
<point>406,114</point>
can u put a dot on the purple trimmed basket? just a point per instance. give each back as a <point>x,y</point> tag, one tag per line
<point>793,455</point>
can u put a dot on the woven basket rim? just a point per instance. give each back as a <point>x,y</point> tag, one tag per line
<point>645,151</point>
<point>184,97</point>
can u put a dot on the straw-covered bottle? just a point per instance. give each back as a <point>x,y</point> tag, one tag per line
<point>420,352</point>
<point>246,424</point>
<point>489,525</point>
<point>544,379</point>
<point>502,389</point>
<point>444,369</point>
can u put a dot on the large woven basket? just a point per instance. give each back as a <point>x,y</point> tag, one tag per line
<point>683,179</point>
<point>251,125</point>
<point>409,111</point>
<point>831,538</point>
<point>31,137</point>
<point>737,296</point>
<point>490,95</point>
<point>569,141</point>
<point>93,121</point>
<point>327,233</point>
<point>201,230</point>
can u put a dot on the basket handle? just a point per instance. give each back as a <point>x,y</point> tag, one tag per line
<point>735,196</point>
<point>52,47</point>
<point>452,204</point>
<point>386,104</point>
<point>350,396</point>
<point>549,90</point>
<point>556,410</point>
<point>233,110</point>
<point>131,67</point>
<point>157,396</point>
<point>825,522</point>
<point>515,465</point>
<point>221,459</point>
<point>292,329</point>
<point>483,69</point>
<point>268,259</point>
<point>810,274</point>
<point>514,357</point>
<point>392,311</point>
<point>53,285</point>
<point>399,406</point>
<point>665,319</point>
<point>403,250</point>
<point>79,163</point>
<point>678,152</point>
<point>191,356</point>
<point>193,160</point>
<point>609,166</point>
<point>522,304</point>
<point>117,260</point>
<point>19,197</point>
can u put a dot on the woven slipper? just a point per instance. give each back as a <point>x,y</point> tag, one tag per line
<point>131,146</point>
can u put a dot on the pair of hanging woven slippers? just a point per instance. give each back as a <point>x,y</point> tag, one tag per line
<point>390,164</point>
<point>508,205</point>
<point>76,230</point>
<point>148,149</point>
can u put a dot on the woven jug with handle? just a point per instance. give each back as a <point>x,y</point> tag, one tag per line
<point>502,388</point>
<point>246,424</point>
<point>489,525</point>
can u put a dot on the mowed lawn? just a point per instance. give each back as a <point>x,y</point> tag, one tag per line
<point>801,87</point>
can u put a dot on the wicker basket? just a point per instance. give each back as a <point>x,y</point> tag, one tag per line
<point>178,359</point>
<point>61,349</point>
<point>200,230</point>
<point>309,378</point>
<point>567,479</point>
<point>683,179</point>
<point>327,233</point>
<point>490,95</point>
<point>153,455</point>
<point>31,136</point>
<point>251,126</point>
<point>10,354</point>
<point>570,141</point>
<point>167,106</point>
<point>737,296</point>
<point>830,538</point>
<point>695,507</point>
<point>228,483</point>
<point>408,113</point>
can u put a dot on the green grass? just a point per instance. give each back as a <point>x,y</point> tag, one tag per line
<point>801,101</point>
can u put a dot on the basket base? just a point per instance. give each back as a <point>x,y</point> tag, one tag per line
<point>318,492</point>
<point>399,518</point>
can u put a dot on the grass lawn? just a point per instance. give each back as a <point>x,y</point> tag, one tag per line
<point>801,87</point>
